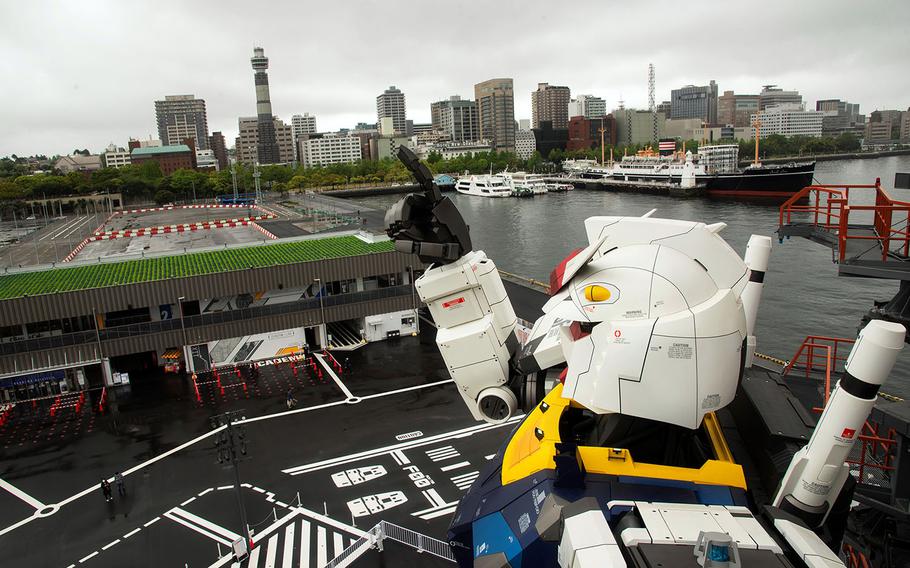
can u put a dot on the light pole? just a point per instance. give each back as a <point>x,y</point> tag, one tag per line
<point>230,444</point>
<point>321,307</point>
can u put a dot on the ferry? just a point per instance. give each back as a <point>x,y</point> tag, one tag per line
<point>524,182</point>
<point>484,186</point>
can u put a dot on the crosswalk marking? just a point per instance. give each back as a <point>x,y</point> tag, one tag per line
<point>254,557</point>
<point>288,556</point>
<point>305,544</point>
<point>441,454</point>
<point>338,541</point>
<point>320,547</point>
<point>271,551</point>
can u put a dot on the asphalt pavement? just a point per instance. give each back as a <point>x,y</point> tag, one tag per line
<point>388,440</point>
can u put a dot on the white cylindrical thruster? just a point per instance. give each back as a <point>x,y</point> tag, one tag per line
<point>496,404</point>
<point>868,365</point>
<point>758,251</point>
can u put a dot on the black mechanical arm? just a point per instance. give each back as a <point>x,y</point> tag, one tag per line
<point>427,224</point>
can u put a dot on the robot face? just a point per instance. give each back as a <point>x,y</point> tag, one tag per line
<point>635,282</point>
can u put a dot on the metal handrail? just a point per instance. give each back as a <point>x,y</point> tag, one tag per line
<point>807,357</point>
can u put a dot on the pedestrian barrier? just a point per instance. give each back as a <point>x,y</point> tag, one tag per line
<point>383,530</point>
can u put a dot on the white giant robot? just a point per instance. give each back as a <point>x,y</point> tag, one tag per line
<point>653,321</point>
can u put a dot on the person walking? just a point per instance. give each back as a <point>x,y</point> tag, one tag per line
<point>292,402</point>
<point>121,488</point>
<point>347,364</point>
<point>106,489</point>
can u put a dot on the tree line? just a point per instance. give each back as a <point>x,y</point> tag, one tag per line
<point>145,182</point>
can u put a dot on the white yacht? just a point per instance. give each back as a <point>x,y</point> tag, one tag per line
<point>525,182</point>
<point>484,186</point>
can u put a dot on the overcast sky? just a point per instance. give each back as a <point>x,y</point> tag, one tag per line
<point>87,73</point>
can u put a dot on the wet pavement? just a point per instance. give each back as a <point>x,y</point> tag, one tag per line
<point>403,417</point>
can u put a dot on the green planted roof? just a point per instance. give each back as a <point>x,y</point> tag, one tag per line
<point>192,264</point>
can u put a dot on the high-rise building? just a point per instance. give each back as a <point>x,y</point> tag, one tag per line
<point>550,103</point>
<point>665,107</point>
<point>771,96</point>
<point>219,147</point>
<point>585,133</point>
<point>695,102</point>
<point>115,157</point>
<point>587,106</point>
<point>303,124</point>
<point>391,104</point>
<point>266,144</point>
<point>789,120</point>
<point>736,110</point>
<point>524,124</point>
<point>496,113</point>
<point>457,118</point>
<point>248,146</point>
<point>637,126</point>
<point>905,125</point>
<point>180,117</point>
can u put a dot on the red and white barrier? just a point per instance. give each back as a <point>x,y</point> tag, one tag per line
<point>264,231</point>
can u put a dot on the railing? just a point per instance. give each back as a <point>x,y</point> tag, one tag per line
<point>818,353</point>
<point>825,355</point>
<point>829,209</point>
<point>383,530</point>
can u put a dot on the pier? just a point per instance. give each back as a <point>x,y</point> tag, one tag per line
<point>652,187</point>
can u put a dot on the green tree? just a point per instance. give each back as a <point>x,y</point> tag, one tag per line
<point>163,196</point>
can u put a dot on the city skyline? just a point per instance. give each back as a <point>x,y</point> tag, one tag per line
<point>63,98</point>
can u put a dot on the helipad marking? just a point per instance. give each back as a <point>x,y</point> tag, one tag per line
<point>463,432</point>
<point>454,466</point>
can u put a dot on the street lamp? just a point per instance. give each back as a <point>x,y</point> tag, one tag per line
<point>182,324</point>
<point>230,445</point>
<point>321,305</point>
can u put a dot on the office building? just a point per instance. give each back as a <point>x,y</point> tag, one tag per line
<point>736,110</point>
<point>587,106</point>
<point>325,149</point>
<point>524,124</point>
<point>457,118</point>
<point>391,104</point>
<point>449,150</point>
<point>247,143</point>
<point>525,143</point>
<point>547,138</point>
<point>637,126</point>
<point>664,107</point>
<point>267,150</point>
<point>905,125</point>
<point>496,113</point>
<point>219,147</point>
<point>584,133</point>
<point>180,117</point>
<point>382,147</point>
<point>789,120</point>
<point>695,102</point>
<point>170,158</point>
<point>550,103</point>
<point>115,157</point>
<point>840,117</point>
<point>771,95</point>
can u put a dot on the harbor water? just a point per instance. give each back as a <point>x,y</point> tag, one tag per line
<point>802,295</point>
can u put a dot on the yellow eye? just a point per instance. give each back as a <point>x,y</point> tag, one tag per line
<point>595,293</point>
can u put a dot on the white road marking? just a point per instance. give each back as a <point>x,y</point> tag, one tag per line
<point>110,544</point>
<point>92,555</point>
<point>271,551</point>
<point>434,498</point>
<point>281,504</point>
<point>259,490</point>
<point>254,558</point>
<point>454,466</point>
<point>330,522</point>
<point>304,543</point>
<point>489,457</point>
<point>21,494</point>
<point>320,547</point>
<point>208,525</point>
<point>225,487</point>
<point>286,557</point>
<point>338,542</point>
<point>465,481</point>
<point>445,456</point>
<point>328,369</point>
<point>188,501</point>
<point>464,432</point>
<point>209,490</point>
<point>198,529</point>
<point>447,511</point>
<point>440,450</point>
<point>400,458</point>
<point>132,532</point>
<point>153,521</point>
<point>172,451</point>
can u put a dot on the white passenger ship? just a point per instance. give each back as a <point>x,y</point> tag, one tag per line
<point>484,186</point>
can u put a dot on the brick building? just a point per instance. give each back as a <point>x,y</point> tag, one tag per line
<point>584,133</point>
<point>169,158</point>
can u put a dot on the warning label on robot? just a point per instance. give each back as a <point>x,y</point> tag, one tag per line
<point>680,351</point>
